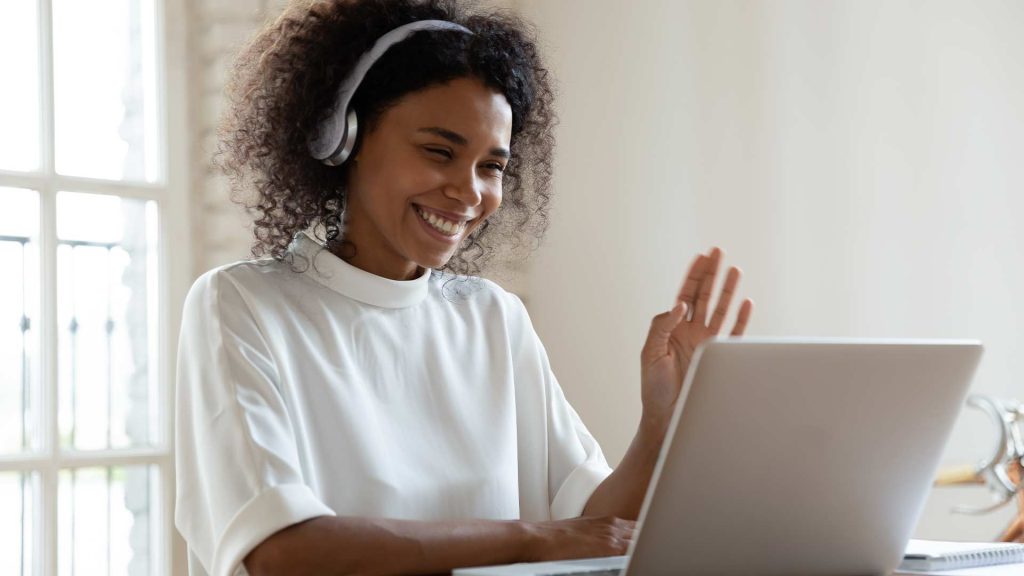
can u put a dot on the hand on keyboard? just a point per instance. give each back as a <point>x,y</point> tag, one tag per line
<point>585,537</point>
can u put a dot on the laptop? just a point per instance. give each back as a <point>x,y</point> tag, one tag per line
<point>792,457</point>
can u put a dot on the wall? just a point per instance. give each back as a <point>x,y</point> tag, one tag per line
<point>218,29</point>
<point>859,160</point>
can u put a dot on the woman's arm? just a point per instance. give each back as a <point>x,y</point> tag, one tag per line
<point>671,343</point>
<point>622,493</point>
<point>371,546</point>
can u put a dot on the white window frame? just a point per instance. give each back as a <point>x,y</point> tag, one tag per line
<point>171,195</point>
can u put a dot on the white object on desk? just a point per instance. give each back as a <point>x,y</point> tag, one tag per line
<point>1000,570</point>
<point>932,555</point>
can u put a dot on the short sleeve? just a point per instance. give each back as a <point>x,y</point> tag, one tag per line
<point>238,474</point>
<point>575,463</point>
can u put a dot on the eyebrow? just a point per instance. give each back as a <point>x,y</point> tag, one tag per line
<point>459,139</point>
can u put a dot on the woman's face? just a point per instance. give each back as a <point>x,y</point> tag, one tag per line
<point>427,176</point>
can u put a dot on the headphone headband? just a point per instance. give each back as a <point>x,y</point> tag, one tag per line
<point>336,134</point>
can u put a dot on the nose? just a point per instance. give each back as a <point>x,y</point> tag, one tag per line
<point>468,189</point>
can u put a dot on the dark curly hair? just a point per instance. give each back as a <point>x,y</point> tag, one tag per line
<point>286,80</point>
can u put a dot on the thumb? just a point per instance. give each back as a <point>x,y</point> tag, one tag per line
<point>661,329</point>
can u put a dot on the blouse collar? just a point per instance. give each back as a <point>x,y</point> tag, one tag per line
<point>356,283</point>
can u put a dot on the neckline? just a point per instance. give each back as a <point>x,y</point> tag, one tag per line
<point>340,276</point>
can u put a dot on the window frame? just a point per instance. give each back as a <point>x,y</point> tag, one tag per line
<point>171,194</point>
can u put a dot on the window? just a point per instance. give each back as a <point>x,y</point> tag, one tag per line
<point>86,312</point>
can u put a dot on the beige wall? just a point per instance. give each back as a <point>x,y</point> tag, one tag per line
<point>859,160</point>
<point>218,28</point>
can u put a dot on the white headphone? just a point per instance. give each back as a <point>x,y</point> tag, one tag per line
<point>336,134</point>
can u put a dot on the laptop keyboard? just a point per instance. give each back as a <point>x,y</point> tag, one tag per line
<point>601,572</point>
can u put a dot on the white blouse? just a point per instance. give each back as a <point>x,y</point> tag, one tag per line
<point>334,391</point>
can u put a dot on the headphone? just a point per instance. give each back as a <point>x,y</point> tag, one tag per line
<point>336,134</point>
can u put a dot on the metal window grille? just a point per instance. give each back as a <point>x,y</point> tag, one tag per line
<point>77,507</point>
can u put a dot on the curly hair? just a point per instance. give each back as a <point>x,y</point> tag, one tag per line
<point>284,82</point>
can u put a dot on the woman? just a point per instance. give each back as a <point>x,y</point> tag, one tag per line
<point>365,405</point>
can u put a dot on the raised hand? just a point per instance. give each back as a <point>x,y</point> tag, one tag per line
<point>675,335</point>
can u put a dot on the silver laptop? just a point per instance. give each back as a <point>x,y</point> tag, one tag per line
<point>793,457</point>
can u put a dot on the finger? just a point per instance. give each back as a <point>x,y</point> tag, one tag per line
<point>707,282</point>
<point>1013,532</point>
<point>627,532</point>
<point>743,317</point>
<point>625,522</point>
<point>661,330</point>
<point>688,291</point>
<point>725,299</point>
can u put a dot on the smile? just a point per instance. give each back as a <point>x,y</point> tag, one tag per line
<point>442,225</point>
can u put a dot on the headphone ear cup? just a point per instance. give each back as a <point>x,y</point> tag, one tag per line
<point>348,140</point>
<point>328,129</point>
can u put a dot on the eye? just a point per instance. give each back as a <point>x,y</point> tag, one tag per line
<point>495,166</point>
<point>440,152</point>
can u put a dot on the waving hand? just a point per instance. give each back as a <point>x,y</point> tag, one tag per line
<point>675,335</point>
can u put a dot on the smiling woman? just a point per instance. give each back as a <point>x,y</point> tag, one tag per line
<point>290,76</point>
<point>427,176</point>
<point>338,410</point>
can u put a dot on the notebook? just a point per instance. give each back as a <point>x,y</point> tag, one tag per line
<point>929,555</point>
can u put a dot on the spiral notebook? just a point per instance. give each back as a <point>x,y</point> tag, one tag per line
<point>928,555</point>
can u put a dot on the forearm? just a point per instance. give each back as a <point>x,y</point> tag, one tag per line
<point>371,546</point>
<point>622,493</point>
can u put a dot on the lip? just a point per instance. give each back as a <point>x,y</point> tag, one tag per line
<point>447,215</point>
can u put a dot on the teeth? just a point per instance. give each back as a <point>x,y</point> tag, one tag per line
<point>446,227</point>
